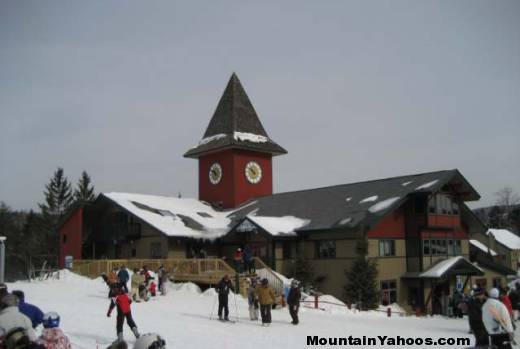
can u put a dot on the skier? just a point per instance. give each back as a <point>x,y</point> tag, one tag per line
<point>18,338</point>
<point>150,341</point>
<point>293,300</point>
<point>123,277</point>
<point>136,280</point>
<point>11,317</point>
<point>52,336</point>
<point>497,321</point>
<point>122,302</point>
<point>252,300</point>
<point>31,311</point>
<point>162,276</point>
<point>222,289</point>
<point>474,306</point>
<point>112,281</point>
<point>266,297</point>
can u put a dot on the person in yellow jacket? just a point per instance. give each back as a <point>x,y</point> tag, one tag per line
<point>266,298</point>
<point>136,280</point>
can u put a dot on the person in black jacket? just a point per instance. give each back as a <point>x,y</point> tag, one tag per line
<point>293,300</point>
<point>222,289</point>
<point>475,317</point>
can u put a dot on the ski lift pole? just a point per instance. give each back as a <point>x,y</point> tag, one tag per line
<point>2,259</point>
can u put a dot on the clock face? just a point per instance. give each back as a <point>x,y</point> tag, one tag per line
<point>215,173</point>
<point>253,172</point>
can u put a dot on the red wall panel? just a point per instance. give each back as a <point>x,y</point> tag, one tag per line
<point>71,234</point>
<point>392,226</point>
<point>444,221</point>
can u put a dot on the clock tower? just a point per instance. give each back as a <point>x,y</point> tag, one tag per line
<point>235,153</point>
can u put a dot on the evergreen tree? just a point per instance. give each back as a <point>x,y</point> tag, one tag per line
<point>303,272</point>
<point>361,280</point>
<point>58,199</point>
<point>85,191</point>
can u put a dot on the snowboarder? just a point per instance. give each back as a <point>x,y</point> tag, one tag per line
<point>293,300</point>
<point>18,338</point>
<point>52,336</point>
<point>150,340</point>
<point>123,277</point>
<point>497,321</point>
<point>252,300</point>
<point>11,317</point>
<point>474,310</point>
<point>122,302</point>
<point>266,297</point>
<point>222,289</point>
<point>31,311</point>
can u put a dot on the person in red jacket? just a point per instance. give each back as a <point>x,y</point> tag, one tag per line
<point>504,298</point>
<point>122,302</point>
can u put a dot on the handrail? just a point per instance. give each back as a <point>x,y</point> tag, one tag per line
<point>177,267</point>
<point>263,271</point>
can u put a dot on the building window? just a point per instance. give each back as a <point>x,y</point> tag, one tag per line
<point>287,250</point>
<point>325,249</point>
<point>497,282</point>
<point>388,292</point>
<point>155,250</point>
<point>442,247</point>
<point>426,247</point>
<point>64,238</point>
<point>442,204</point>
<point>134,252</point>
<point>386,248</point>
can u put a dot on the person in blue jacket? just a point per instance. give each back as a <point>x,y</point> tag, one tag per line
<point>31,311</point>
<point>123,276</point>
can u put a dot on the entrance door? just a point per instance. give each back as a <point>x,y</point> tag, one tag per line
<point>260,250</point>
<point>440,298</point>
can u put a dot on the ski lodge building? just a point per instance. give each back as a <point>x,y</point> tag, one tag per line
<point>418,226</point>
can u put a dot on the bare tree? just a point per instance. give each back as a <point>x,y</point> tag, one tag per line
<point>507,201</point>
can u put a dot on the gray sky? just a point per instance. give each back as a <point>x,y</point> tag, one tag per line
<point>354,90</point>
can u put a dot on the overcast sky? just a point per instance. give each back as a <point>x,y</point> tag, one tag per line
<point>354,90</point>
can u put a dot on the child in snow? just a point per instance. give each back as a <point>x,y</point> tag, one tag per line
<point>52,336</point>
<point>252,299</point>
<point>153,288</point>
<point>122,302</point>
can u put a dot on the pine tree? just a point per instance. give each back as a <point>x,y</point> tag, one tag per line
<point>303,272</point>
<point>58,199</point>
<point>361,280</point>
<point>85,191</point>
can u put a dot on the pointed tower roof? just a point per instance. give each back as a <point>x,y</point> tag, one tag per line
<point>235,124</point>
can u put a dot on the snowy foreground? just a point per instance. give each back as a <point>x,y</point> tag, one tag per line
<point>182,318</point>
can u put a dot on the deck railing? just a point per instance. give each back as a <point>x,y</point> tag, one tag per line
<point>263,271</point>
<point>182,269</point>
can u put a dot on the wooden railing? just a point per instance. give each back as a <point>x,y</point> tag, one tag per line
<point>263,271</point>
<point>182,269</point>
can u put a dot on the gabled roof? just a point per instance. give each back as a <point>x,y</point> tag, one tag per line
<point>479,245</point>
<point>450,266</point>
<point>353,205</point>
<point>506,238</point>
<point>235,124</point>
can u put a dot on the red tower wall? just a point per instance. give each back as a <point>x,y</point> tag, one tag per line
<point>71,234</point>
<point>233,189</point>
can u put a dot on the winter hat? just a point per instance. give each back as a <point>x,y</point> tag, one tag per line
<point>10,300</point>
<point>51,320</point>
<point>294,283</point>
<point>494,293</point>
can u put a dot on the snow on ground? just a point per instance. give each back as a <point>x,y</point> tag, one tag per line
<point>182,318</point>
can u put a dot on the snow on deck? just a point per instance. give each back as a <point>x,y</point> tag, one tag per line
<point>383,205</point>
<point>482,247</point>
<point>506,238</point>
<point>286,225</point>
<point>162,213</point>
<point>182,318</point>
<point>427,185</point>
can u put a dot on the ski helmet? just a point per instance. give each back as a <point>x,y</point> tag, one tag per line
<point>51,320</point>
<point>150,341</point>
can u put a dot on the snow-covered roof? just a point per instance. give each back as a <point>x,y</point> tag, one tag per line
<point>286,225</point>
<point>175,216</point>
<point>482,247</point>
<point>506,238</point>
<point>441,268</point>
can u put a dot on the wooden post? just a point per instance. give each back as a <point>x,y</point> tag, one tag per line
<point>389,312</point>
<point>316,301</point>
